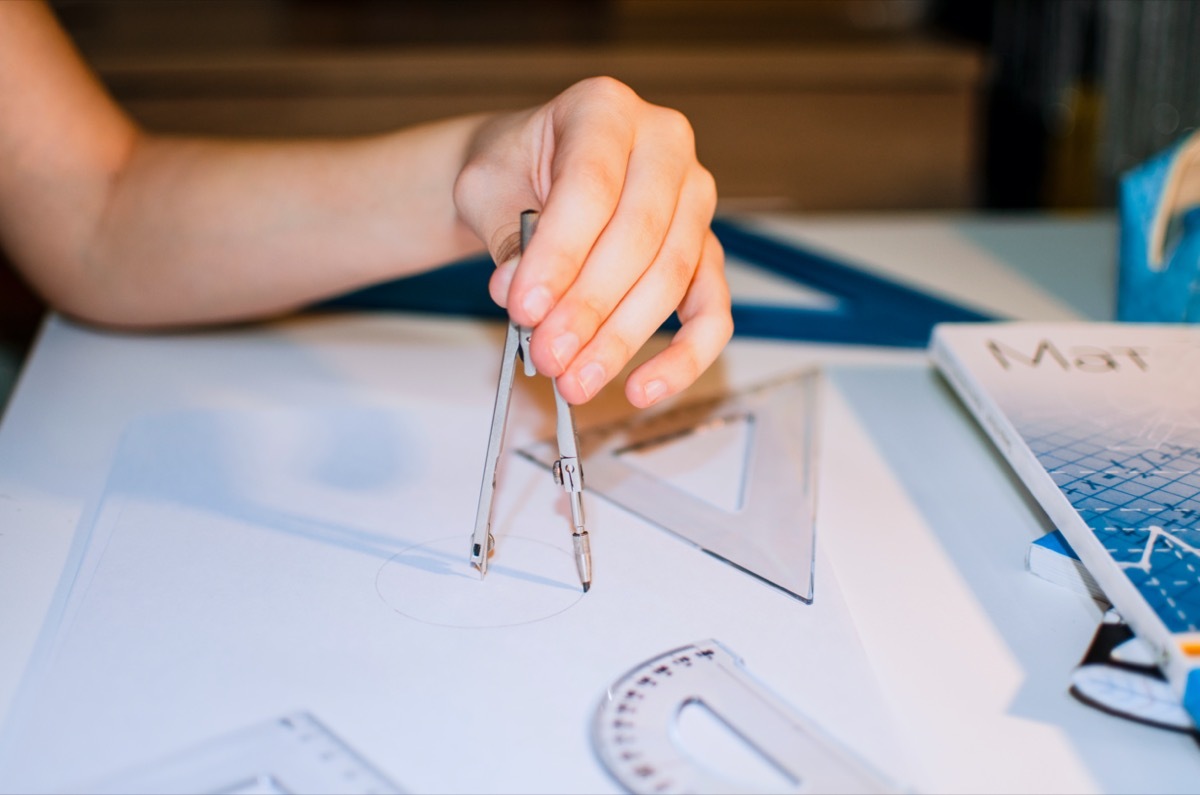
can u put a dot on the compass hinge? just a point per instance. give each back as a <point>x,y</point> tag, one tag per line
<point>568,474</point>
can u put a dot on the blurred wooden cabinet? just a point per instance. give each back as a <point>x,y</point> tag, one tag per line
<point>885,125</point>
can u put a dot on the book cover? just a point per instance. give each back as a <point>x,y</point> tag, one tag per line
<point>1101,422</point>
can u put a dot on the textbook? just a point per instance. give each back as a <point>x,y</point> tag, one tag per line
<point>1101,422</point>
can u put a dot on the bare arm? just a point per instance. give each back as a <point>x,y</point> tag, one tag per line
<point>124,228</point>
<point>120,227</point>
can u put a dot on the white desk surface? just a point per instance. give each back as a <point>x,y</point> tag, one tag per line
<point>919,521</point>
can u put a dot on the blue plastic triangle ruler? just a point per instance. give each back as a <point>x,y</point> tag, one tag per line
<point>868,309</point>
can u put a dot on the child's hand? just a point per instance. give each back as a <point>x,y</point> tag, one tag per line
<point>623,239</point>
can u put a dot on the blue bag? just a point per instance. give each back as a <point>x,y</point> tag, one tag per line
<point>1159,260</point>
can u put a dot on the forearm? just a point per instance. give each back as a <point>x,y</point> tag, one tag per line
<point>196,231</point>
<point>124,228</point>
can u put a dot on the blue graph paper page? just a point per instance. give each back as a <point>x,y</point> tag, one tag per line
<point>1141,503</point>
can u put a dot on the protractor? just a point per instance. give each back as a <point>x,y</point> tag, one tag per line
<point>639,732</point>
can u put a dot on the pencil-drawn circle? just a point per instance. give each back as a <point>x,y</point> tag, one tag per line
<point>433,582</point>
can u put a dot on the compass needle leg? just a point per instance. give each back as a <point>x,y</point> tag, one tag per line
<point>482,541</point>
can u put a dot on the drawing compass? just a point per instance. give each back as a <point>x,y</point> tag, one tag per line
<point>566,469</point>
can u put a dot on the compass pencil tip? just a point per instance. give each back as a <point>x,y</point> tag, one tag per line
<point>586,587</point>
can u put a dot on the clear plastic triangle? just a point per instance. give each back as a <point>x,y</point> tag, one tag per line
<point>733,475</point>
<point>708,462</point>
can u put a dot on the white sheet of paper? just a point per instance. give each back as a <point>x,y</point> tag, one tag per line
<point>249,564</point>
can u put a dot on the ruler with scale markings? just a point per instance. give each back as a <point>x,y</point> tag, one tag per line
<point>289,755</point>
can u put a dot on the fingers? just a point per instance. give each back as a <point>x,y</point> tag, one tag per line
<point>583,168</point>
<point>706,327</point>
<point>612,338</point>
<point>660,221</point>
<point>501,281</point>
<point>702,297</point>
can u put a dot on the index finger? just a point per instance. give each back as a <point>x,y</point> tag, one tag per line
<point>583,174</point>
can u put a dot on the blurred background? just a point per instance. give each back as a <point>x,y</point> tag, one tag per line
<point>804,105</point>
